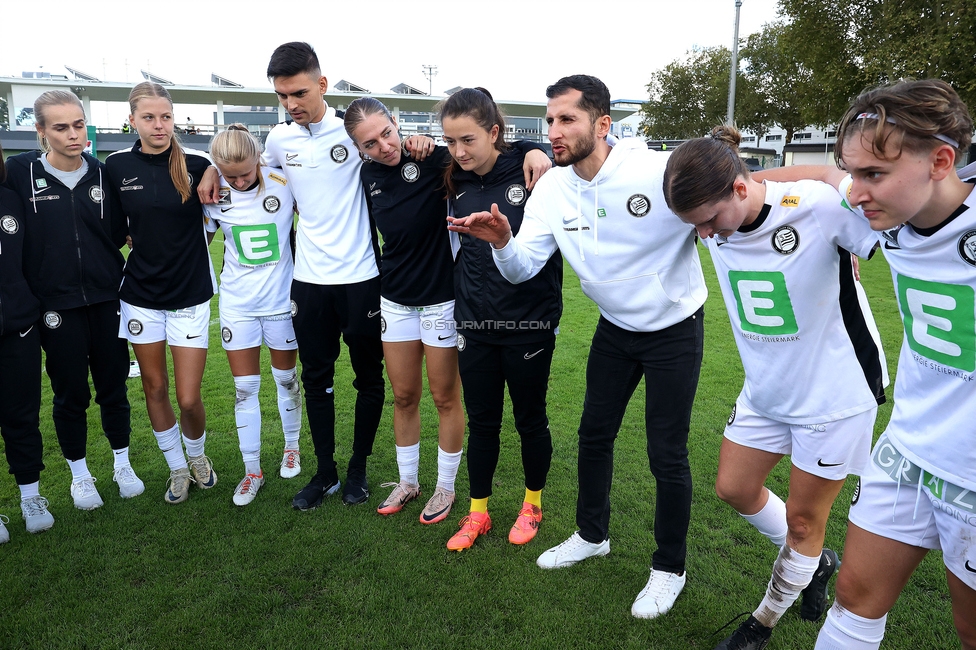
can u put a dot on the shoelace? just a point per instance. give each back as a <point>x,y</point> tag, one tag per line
<point>249,484</point>
<point>291,457</point>
<point>34,506</point>
<point>125,474</point>
<point>734,619</point>
<point>4,519</point>
<point>659,584</point>
<point>399,492</point>
<point>86,487</point>
<point>201,465</point>
<point>439,501</point>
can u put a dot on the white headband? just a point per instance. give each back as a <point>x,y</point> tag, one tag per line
<point>890,120</point>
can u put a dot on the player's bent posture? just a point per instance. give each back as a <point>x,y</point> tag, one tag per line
<point>900,144</point>
<point>256,215</point>
<point>603,209</point>
<point>168,281</point>
<point>74,267</point>
<point>20,368</point>
<point>506,332</point>
<point>407,202</point>
<point>815,372</point>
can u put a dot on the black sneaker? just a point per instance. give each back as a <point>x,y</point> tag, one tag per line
<point>751,635</point>
<point>310,496</point>
<point>814,602</point>
<point>356,489</point>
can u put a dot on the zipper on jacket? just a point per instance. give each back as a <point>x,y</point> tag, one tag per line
<point>81,265</point>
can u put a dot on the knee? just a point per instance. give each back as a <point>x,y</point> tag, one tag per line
<point>157,391</point>
<point>190,404</point>
<point>406,400</point>
<point>733,494</point>
<point>802,525</point>
<point>965,628</point>
<point>445,402</point>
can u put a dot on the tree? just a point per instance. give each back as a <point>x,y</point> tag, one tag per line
<point>688,97</point>
<point>4,118</point>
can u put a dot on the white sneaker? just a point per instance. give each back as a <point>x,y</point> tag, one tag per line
<point>573,550</point>
<point>291,464</point>
<point>659,594</point>
<point>247,489</point>
<point>4,534</point>
<point>85,495</point>
<point>130,485</point>
<point>36,514</point>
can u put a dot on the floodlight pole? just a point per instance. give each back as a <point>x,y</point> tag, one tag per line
<point>430,71</point>
<point>730,115</point>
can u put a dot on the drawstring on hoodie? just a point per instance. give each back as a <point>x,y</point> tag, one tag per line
<point>33,187</point>
<point>596,218</point>
<point>579,229</point>
<point>101,204</point>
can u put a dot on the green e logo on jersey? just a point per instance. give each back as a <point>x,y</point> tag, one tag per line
<point>939,321</point>
<point>763,302</point>
<point>256,244</point>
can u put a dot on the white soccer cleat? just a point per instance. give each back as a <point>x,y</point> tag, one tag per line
<point>659,594</point>
<point>85,495</point>
<point>291,464</point>
<point>4,533</point>
<point>247,489</point>
<point>573,550</point>
<point>130,485</point>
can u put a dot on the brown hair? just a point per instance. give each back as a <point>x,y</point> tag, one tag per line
<point>52,98</point>
<point>476,103</point>
<point>703,170</point>
<point>919,112</point>
<point>236,145</point>
<point>177,159</point>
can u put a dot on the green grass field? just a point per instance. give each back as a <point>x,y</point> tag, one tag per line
<point>207,574</point>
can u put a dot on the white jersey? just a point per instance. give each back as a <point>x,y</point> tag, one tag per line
<point>258,268</point>
<point>933,423</point>
<point>334,242</point>
<point>807,340</point>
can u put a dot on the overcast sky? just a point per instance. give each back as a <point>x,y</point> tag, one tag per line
<point>514,48</point>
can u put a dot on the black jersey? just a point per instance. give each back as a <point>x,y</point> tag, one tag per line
<point>486,304</point>
<point>19,308</point>
<point>72,236</point>
<point>169,266</point>
<point>408,204</point>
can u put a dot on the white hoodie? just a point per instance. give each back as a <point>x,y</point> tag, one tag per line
<point>635,259</point>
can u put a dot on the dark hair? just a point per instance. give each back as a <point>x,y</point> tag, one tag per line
<point>921,111</point>
<point>477,104</point>
<point>596,96</point>
<point>294,58</point>
<point>703,170</point>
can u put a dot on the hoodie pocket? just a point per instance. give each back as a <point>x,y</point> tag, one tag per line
<point>637,301</point>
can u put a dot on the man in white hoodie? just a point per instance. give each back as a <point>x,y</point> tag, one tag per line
<point>604,210</point>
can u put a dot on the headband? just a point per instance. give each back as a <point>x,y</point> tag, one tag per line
<point>891,120</point>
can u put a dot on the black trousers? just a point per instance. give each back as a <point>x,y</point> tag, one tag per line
<point>326,313</point>
<point>87,339</point>
<point>485,369</point>
<point>20,403</point>
<point>669,360</point>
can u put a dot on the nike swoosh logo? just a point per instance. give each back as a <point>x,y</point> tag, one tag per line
<point>43,189</point>
<point>436,514</point>
<point>444,338</point>
<point>26,332</point>
<point>226,209</point>
<point>372,313</point>
<point>126,181</point>
<point>459,195</point>
<point>529,356</point>
<point>290,340</point>
<point>970,567</point>
<point>194,337</point>
<point>291,409</point>
<point>823,464</point>
<point>291,156</point>
<point>567,221</point>
<point>888,246</point>
<point>720,243</point>
<point>118,313</point>
<point>372,185</point>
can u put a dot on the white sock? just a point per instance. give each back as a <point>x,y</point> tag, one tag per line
<point>771,520</point>
<point>169,444</point>
<point>792,572</point>
<point>194,448</point>
<point>121,457</point>
<point>247,413</point>
<point>447,468</point>
<point>408,461</point>
<point>289,404</point>
<point>79,469</point>
<point>30,490</point>
<point>846,631</point>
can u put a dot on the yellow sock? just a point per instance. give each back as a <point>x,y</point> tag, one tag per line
<point>479,505</point>
<point>534,497</point>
